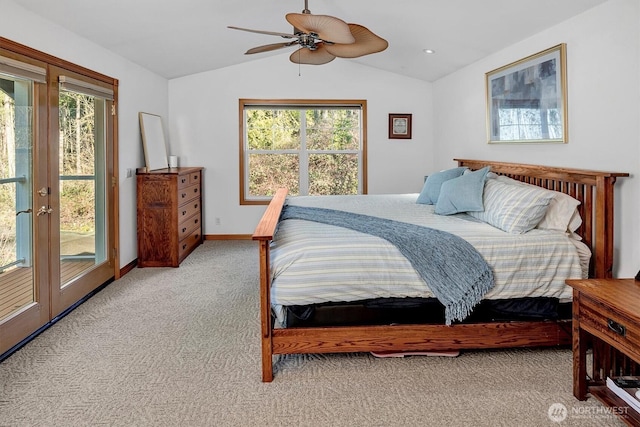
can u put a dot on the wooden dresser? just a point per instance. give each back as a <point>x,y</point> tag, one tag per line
<point>169,215</point>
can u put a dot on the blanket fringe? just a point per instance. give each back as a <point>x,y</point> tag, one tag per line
<point>459,310</point>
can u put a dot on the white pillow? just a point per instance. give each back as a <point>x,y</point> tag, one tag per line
<point>562,213</point>
<point>513,208</point>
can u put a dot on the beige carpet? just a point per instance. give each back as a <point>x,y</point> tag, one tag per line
<point>180,347</point>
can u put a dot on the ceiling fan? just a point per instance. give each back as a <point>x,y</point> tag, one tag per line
<point>321,38</point>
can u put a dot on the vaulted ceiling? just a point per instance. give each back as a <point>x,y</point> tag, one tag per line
<point>174,38</point>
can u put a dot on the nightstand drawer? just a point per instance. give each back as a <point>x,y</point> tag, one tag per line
<point>609,325</point>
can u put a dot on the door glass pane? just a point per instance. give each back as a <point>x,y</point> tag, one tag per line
<point>16,255</point>
<point>82,184</point>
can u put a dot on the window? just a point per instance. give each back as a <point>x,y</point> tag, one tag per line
<point>309,147</point>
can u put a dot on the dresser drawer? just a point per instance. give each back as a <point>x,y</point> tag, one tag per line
<point>608,325</point>
<point>187,226</point>
<point>190,179</point>
<point>188,193</point>
<point>188,209</point>
<point>194,178</point>
<point>189,243</point>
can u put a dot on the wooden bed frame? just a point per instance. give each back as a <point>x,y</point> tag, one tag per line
<point>593,188</point>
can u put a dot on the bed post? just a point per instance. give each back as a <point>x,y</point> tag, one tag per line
<point>264,232</point>
<point>603,267</point>
<point>265,312</point>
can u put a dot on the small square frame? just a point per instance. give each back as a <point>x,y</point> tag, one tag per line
<point>399,126</point>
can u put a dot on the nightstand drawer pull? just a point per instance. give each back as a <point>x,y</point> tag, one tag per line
<point>616,327</point>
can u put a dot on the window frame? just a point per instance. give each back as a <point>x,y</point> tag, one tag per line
<point>297,104</point>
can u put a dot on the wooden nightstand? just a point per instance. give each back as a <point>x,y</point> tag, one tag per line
<point>606,318</point>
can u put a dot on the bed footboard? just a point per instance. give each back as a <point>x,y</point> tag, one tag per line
<point>264,234</point>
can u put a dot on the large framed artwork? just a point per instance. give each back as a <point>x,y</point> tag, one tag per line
<point>527,99</point>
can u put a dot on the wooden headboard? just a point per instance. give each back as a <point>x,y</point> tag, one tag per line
<point>594,189</point>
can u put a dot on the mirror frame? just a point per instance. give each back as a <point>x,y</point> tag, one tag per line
<point>153,141</point>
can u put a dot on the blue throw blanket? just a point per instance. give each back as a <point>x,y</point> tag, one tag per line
<point>452,268</point>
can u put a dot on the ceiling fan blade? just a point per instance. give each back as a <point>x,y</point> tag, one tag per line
<point>271,33</point>
<point>326,27</point>
<point>311,57</point>
<point>269,47</point>
<point>365,44</point>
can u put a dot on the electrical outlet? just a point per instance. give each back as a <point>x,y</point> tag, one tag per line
<point>129,173</point>
<point>217,221</point>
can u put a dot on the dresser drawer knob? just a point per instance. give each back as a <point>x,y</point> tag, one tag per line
<point>616,327</point>
<point>184,229</point>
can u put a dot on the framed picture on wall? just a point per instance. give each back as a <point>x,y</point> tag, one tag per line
<point>399,126</point>
<point>527,99</point>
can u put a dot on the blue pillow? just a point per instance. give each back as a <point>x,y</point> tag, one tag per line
<point>462,194</point>
<point>431,188</point>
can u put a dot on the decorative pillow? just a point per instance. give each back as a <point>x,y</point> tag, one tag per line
<point>513,208</point>
<point>462,194</point>
<point>431,189</point>
<point>562,213</point>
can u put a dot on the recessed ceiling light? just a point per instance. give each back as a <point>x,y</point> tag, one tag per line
<point>429,51</point>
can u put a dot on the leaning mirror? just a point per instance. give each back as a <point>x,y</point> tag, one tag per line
<point>153,142</point>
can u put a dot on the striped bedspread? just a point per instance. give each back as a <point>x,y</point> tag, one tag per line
<point>316,263</point>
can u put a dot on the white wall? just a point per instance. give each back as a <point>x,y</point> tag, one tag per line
<point>204,126</point>
<point>139,90</point>
<point>603,64</point>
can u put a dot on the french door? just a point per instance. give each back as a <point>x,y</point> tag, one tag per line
<point>57,192</point>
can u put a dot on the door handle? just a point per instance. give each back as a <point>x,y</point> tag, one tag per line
<point>44,210</point>
<point>24,211</point>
